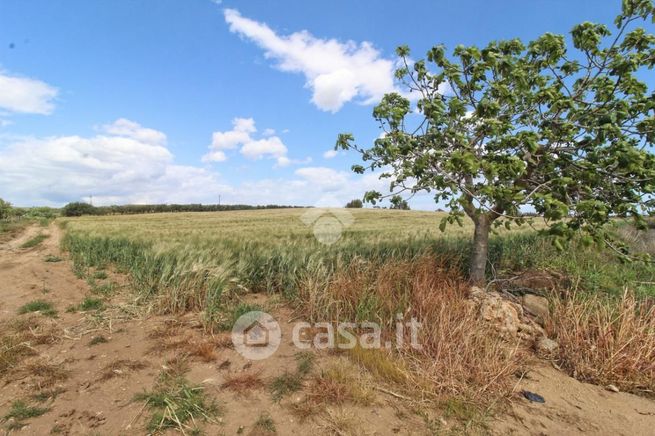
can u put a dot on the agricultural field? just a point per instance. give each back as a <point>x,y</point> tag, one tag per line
<point>122,296</point>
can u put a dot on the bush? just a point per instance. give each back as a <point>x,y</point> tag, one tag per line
<point>5,209</point>
<point>78,209</point>
<point>354,204</point>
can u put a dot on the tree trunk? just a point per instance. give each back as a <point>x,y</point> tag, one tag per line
<point>480,250</point>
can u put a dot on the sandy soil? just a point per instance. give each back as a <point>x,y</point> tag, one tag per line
<point>95,393</point>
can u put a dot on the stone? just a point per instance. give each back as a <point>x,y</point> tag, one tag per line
<point>537,306</point>
<point>546,347</point>
<point>613,388</point>
<point>504,315</point>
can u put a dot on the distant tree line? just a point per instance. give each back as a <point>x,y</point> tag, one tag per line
<point>80,208</point>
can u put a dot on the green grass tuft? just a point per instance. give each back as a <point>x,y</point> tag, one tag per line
<point>289,382</point>
<point>265,423</point>
<point>34,241</point>
<point>91,303</point>
<point>20,411</point>
<point>174,402</point>
<point>98,340</point>
<point>40,306</point>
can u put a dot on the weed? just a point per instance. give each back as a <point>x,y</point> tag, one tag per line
<point>106,289</point>
<point>34,241</point>
<point>289,382</point>
<point>341,383</point>
<point>119,367</point>
<point>40,306</point>
<point>174,402</point>
<point>236,312</point>
<point>100,275</point>
<point>96,340</point>
<point>90,303</point>
<point>20,411</point>
<point>244,382</point>
<point>53,259</point>
<point>305,362</point>
<point>285,384</point>
<point>46,374</point>
<point>48,394</point>
<point>265,424</point>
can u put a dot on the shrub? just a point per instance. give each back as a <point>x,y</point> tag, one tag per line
<point>355,204</point>
<point>78,209</point>
<point>5,209</point>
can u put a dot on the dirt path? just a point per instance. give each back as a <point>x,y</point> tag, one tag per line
<point>573,407</point>
<point>86,367</point>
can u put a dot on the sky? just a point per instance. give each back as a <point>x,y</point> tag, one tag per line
<point>189,101</point>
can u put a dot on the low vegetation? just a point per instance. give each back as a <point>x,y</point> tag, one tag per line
<point>265,424</point>
<point>292,381</point>
<point>177,404</point>
<point>608,340</point>
<point>20,411</point>
<point>33,242</point>
<point>44,307</point>
<point>19,337</point>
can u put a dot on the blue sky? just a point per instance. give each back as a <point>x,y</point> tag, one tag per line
<point>183,101</point>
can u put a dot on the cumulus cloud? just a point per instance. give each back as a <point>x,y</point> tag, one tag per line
<point>25,95</point>
<point>330,154</point>
<point>129,129</point>
<point>336,72</point>
<point>241,136</point>
<point>126,163</point>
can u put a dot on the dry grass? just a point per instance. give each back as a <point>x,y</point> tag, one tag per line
<point>339,383</point>
<point>120,367</point>
<point>176,366</point>
<point>171,337</point>
<point>341,422</point>
<point>607,341</point>
<point>244,382</point>
<point>459,356</point>
<point>18,339</point>
<point>45,374</point>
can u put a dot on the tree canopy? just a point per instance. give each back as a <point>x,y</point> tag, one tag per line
<point>510,127</point>
<point>354,204</point>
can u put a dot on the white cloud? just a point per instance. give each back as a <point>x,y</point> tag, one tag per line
<point>126,163</point>
<point>330,154</point>
<point>25,95</point>
<point>241,136</point>
<point>266,147</point>
<point>129,129</point>
<point>336,72</point>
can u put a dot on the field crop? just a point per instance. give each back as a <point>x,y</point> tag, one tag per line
<point>187,260</point>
